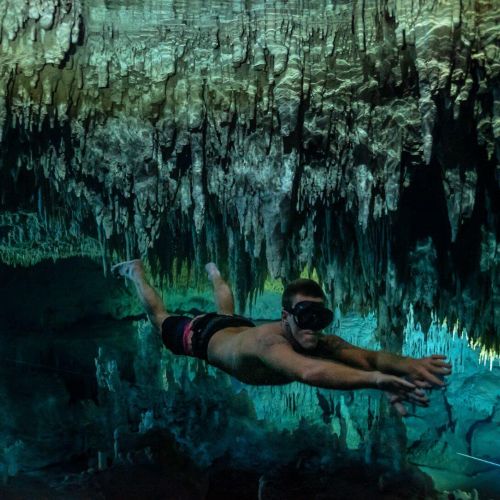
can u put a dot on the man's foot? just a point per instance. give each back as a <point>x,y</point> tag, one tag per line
<point>131,269</point>
<point>212,271</point>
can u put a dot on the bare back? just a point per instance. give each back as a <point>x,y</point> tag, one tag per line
<point>235,350</point>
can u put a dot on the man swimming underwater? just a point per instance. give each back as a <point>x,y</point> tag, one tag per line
<point>293,349</point>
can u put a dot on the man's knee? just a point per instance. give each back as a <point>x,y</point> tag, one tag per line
<point>228,310</point>
<point>158,319</point>
<point>225,302</point>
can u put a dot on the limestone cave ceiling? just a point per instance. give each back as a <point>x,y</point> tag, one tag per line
<point>360,139</point>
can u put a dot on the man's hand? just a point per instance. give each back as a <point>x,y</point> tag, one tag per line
<point>427,372</point>
<point>392,383</point>
<point>416,397</point>
<point>399,390</point>
<point>396,403</point>
<point>424,373</point>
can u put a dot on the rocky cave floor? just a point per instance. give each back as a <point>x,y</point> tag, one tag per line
<point>159,481</point>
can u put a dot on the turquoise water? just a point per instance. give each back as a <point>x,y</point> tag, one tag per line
<point>90,385</point>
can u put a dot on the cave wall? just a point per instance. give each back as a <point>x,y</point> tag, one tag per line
<point>356,138</point>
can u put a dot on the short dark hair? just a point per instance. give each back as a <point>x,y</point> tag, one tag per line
<point>303,286</point>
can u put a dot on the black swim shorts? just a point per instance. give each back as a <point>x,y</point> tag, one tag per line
<point>205,327</point>
<point>175,331</point>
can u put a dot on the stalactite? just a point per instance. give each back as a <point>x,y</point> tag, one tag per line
<point>28,238</point>
<point>259,126</point>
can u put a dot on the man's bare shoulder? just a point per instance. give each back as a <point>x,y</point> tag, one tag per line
<point>332,344</point>
<point>264,336</point>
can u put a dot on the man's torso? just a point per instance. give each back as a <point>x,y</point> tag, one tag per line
<point>236,351</point>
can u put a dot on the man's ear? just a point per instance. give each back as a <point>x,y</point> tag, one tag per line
<point>284,314</point>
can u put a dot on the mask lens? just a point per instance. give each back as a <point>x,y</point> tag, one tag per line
<point>311,315</point>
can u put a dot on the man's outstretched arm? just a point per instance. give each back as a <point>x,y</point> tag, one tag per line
<point>424,371</point>
<point>281,358</point>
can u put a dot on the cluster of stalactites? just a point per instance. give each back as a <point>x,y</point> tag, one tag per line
<point>332,106</point>
<point>265,140</point>
<point>27,238</point>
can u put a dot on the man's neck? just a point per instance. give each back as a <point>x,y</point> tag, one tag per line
<point>287,334</point>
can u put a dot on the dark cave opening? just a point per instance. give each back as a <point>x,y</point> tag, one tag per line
<point>423,213</point>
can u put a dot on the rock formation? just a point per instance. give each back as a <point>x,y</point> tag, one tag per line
<point>356,138</point>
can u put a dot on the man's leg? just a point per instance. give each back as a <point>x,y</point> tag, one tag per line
<point>223,295</point>
<point>151,301</point>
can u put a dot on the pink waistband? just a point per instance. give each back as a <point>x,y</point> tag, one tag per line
<point>186,338</point>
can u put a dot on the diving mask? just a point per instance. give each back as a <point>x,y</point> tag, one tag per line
<point>311,315</point>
